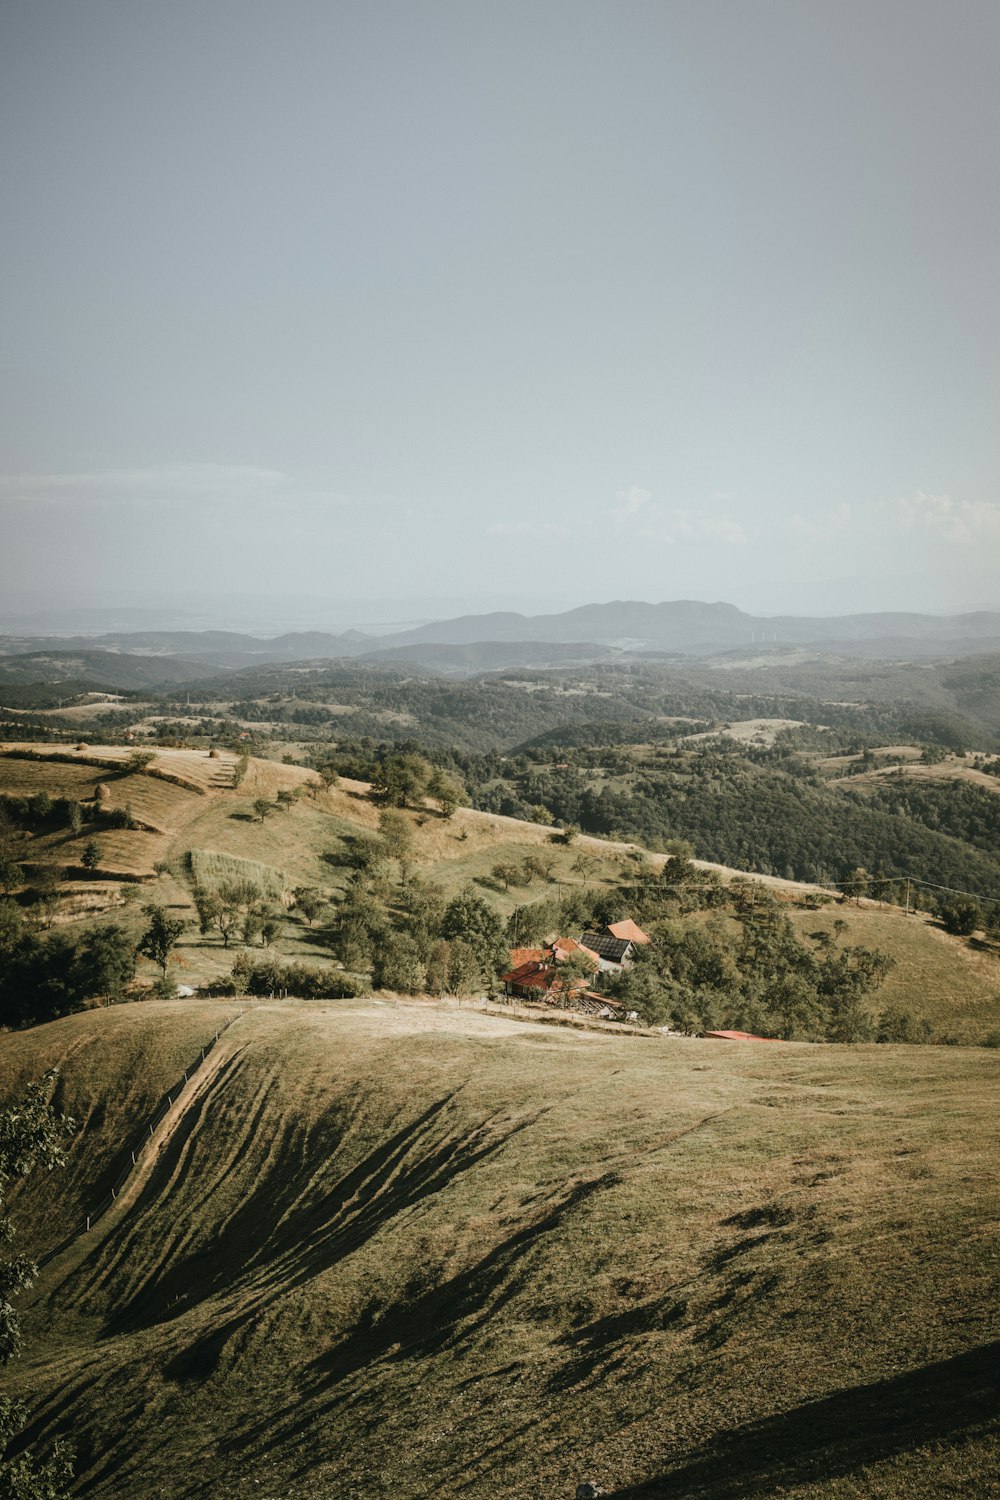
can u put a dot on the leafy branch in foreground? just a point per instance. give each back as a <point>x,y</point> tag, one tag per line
<point>30,1137</point>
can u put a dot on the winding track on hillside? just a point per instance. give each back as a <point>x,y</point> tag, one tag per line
<point>197,1080</point>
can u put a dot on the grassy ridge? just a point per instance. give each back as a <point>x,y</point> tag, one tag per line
<point>420,1252</point>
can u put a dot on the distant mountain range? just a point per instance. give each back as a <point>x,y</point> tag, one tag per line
<point>500,641</point>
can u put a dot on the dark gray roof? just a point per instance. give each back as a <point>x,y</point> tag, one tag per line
<point>605,945</point>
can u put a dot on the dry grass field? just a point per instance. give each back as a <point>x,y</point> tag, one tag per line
<point>413,1251</point>
<point>952,982</point>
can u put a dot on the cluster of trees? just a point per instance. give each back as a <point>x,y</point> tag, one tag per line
<point>42,977</point>
<point>729,957</point>
<point>52,974</point>
<point>404,778</point>
<point>268,975</point>
<point>763,979</point>
<point>426,945</point>
<point>236,909</point>
<point>521,872</point>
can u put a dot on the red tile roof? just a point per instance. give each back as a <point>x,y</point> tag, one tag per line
<point>519,956</point>
<point>628,931</point>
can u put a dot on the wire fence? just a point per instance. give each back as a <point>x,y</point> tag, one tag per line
<point>139,1147</point>
<point>896,890</point>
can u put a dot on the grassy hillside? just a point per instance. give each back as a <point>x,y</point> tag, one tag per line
<point>417,1251</point>
<point>209,831</point>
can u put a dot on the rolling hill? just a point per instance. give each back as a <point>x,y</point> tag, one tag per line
<point>192,819</point>
<point>380,1250</point>
<point>685,627</point>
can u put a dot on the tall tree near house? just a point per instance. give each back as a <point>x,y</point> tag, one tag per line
<point>468,917</point>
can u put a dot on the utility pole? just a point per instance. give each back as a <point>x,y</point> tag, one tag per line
<point>907,911</point>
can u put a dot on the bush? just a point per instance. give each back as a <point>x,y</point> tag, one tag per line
<point>268,976</point>
<point>896,1025</point>
<point>962,917</point>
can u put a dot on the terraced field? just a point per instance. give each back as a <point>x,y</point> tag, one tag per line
<point>415,1251</point>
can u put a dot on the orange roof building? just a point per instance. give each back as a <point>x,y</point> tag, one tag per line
<point>628,931</point>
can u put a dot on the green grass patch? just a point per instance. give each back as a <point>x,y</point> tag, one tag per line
<point>209,868</point>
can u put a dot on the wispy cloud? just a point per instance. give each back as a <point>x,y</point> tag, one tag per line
<point>964,522</point>
<point>636,511</point>
<point>834,521</point>
<point>630,502</point>
<point>168,482</point>
<point>218,490</point>
<point>938,518</point>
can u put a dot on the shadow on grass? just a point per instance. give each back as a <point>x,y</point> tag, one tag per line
<point>427,1318</point>
<point>242,817</point>
<point>950,1401</point>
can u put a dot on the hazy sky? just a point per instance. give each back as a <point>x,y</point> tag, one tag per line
<point>478,304</point>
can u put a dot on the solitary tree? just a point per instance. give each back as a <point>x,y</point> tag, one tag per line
<point>160,938</point>
<point>262,807</point>
<point>91,856</point>
<point>309,902</point>
<point>270,926</point>
<point>448,793</point>
<point>397,835</point>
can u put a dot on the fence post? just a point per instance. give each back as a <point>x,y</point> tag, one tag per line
<point>133,1158</point>
<point>88,1221</point>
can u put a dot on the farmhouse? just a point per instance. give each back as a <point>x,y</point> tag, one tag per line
<point>615,945</point>
<point>534,975</point>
